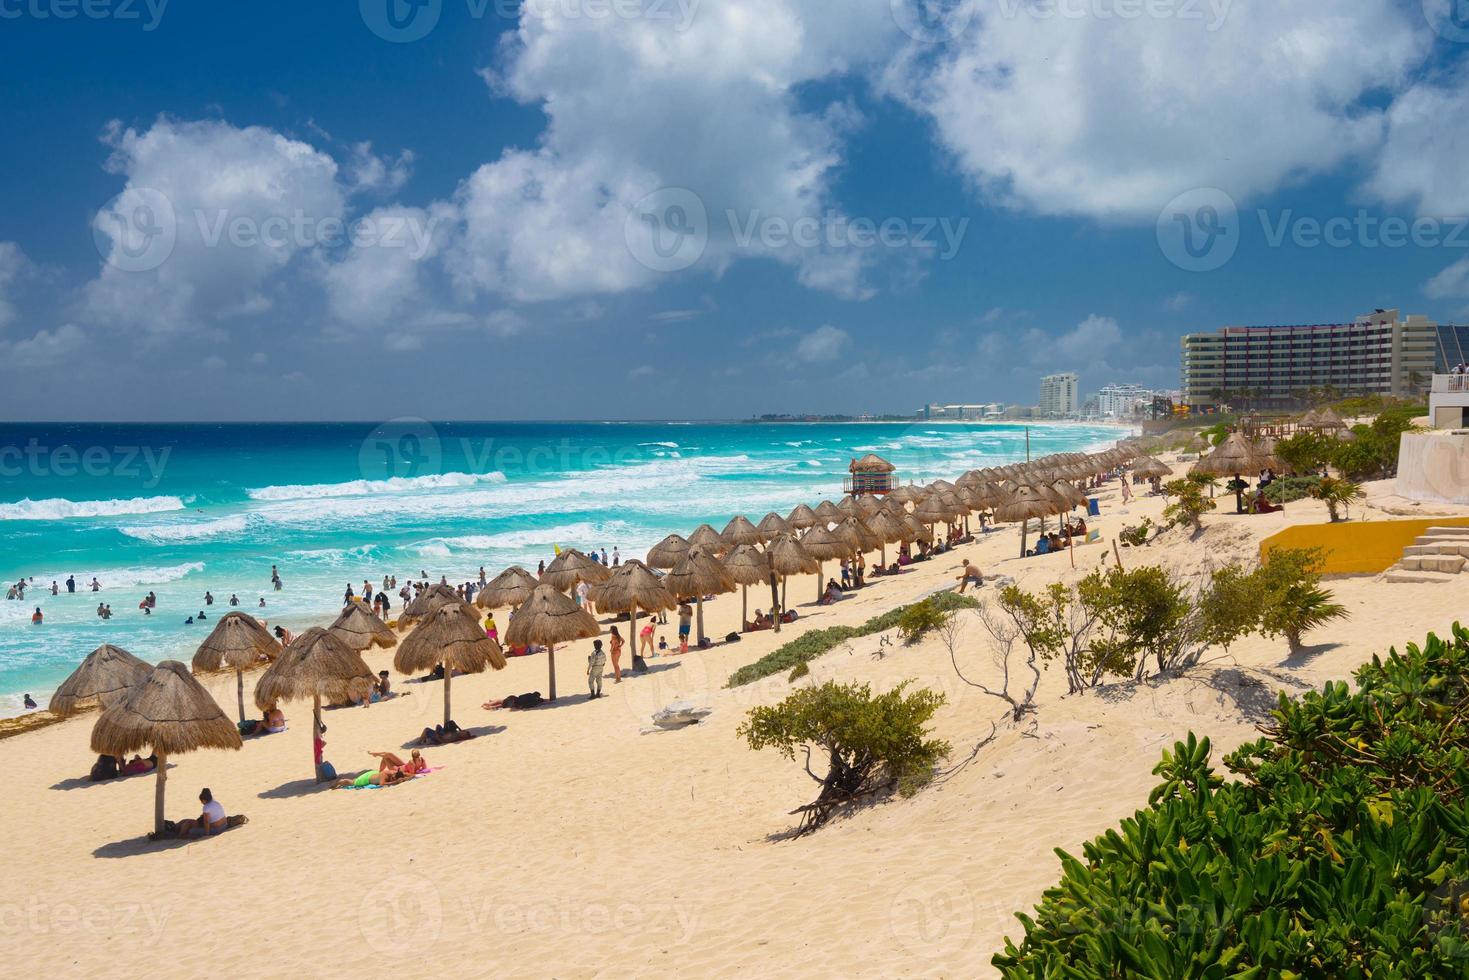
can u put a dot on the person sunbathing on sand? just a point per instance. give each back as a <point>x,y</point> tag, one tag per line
<point>515,702</point>
<point>370,777</point>
<point>444,734</point>
<point>390,760</point>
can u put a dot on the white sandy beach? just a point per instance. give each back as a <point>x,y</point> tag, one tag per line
<point>564,842</point>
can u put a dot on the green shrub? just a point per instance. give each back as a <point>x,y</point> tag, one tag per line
<point>816,643</point>
<point>1143,617</point>
<point>918,619</point>
<point>1187,504</point>
<point>1337,494</point>
<point>1305,451</point>
<point>1135,537</point>
<point>871,744</point>
<point>1292,602</point>
<point>1284,489</point>
<point>1341,851</point>
<point>1230,606</point>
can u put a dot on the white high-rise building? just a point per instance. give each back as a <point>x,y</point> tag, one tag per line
<point>1120,401</point>
<point>1059,398</point>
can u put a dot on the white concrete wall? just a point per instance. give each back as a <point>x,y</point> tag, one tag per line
<point>1434,466</point>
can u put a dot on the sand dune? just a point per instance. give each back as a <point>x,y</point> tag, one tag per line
<point>564,842</point>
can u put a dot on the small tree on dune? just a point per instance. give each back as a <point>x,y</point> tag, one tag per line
<point>1292,602</point>
<point>1188,503</point>
<point>1337,494</point>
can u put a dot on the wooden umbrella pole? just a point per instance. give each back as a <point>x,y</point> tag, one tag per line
<point>819,590</point>
<point>315,729</point>
<point>158,791</point>
<point>240,691</point>
<point>448,676</point>
<point>633,633</point>
<point>551,666</point>
<point>744,606</point>
<point>699,607</point>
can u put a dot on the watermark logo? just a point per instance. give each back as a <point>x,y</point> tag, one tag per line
<point>932,21</point>
<point>1198,231</point>
<point>401,448</point>
<point>402,905</point>
<point>147,12</point>
<point>37,459</point>
<point>667,230</point>
<point>1448,18</point>
<point>136,231</point>
<point>401,21</point>
<point>933,917</point>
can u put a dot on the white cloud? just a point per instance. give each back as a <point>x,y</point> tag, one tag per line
<point>1179,302</point>
<point>1112,117</point>
<point>215,363</point>
<point>1423,159</point>
<point>1450,283</point>
<point>13,266</point>
<point>382,279</point>
<point>45,348</point>
<point>238,198</point>
<point>824,343</point>
<point>642,371</point>
<point>369,173</point>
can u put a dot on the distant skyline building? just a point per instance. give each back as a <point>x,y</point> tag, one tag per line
<point>1059,398</point>
<point>985,410</point>
<point>1381,353</point>
<point>1121,401</point>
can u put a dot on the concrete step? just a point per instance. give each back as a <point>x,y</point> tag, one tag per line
<point>1438,548</point>
<point>1406,577</point>
<point>1445,532</point>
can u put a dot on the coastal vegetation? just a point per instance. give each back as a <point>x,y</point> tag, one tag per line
<point>872,744</point>
<point>815,643</point>
<point>1340,849</point>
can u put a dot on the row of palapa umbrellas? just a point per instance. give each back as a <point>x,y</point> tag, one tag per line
<point>165,710</point>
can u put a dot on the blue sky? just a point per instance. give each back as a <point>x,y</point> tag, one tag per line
<point>670,208</point>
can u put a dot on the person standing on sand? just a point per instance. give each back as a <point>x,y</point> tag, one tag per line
<point>645,639</point>
<point>596,663</point>
<point>685,623</point>
<point>616,557</point>
<point>616,642</point>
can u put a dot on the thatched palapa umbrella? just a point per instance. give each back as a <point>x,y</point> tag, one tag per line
<point>1150,467</point>
<point>168,713</point>
<point>698,573</point>
<point>1234,456</point>
<point>571,567</point>
<point>426,602</point>
<point>315,665</point>
<point>547,618</point>
<point>1025,503</point>
<point>710,540</point>
<point>740,531</point>
<point>829,512</point>
<point>104,678</point>
<point>801,518</point>
<point>452,638</point>
<point>788,557</point>
<point>748,566</point>
<point>668,552</point>
<point>633,587</point>
<point>510,588</point>
<point>824,544</point>
<point>361,628</point>
<point>889,529</point>
<point>237,641</point>
<point>771,525</point>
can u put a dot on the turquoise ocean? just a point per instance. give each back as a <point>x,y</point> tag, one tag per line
<point>179,510</point>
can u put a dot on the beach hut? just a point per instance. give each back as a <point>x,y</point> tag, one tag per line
<point>748,566</point>
<point>633,587</point>
<point>319,666</point>
<point>668,552</point>
<point>237,642</point>
<point>906,494</point>
<point>570,568</point>
<point>870,474</point>
<point>740,531</point>
<point>510,588</point>
<point>824,545</point>
<point>361,628</point>
<point>450,637</point>
<point>167,714</point>
<point>105,677</point>
<point>889,529</point>
<point>547,618</point>
<point>789,557</point>
<point>698,574</point>
<point>1150,468</point>
<point>1235,455</point>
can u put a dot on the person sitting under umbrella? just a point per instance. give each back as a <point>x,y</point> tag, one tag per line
<point>212,819</point>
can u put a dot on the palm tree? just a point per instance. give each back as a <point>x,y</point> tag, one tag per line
<point>1336,493</point>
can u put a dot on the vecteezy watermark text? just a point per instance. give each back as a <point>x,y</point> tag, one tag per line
<point>406,21</point>
<point>149,13</point>
<point>130,462</point>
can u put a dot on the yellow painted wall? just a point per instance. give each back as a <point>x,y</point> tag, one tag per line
<point>1356,548</point>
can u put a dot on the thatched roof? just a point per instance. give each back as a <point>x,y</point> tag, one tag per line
<point>740,531</point>
<point>105,677</point>
<point>237,641</point>
<point>510,588</point>
<point>698,573</point>
<point>452,637</point>
<point>571,567</point>
<point>829,512</point>
<point>790,557</point>
<point>862,537</point>
<point>426,602</point>
<point>772,524</point>
<point>747,565</point>
<point>1328,419</point>
<point>315,664</point>
<point>871,463</point>
<point>634,584</point>
<point>1310,420</point>
<point>361,628</point>
<point>1027,502</point>
<point>1151,466</point>
<point>668,552</point>
<point>1069,495</point>
<point>801,518</point>
<point>166,713</point>
<point>867,505</point>
<point>709,539</point>
<point>1235,454</point>
<point>936,507</point>
<point>824,544</point>
<point>547,617</point>
<point>906,494</point>
<point>917,530</point>
<point>888,526</point>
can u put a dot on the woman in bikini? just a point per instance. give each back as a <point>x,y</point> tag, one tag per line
<point>616,641</point>
<point>389,760</point>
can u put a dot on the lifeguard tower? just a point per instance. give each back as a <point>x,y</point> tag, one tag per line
<point>870,474</point>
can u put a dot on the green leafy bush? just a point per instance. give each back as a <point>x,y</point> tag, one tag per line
<point>1305,451</point>
<point>1291,600</point>
<point>871,744</point>
<point>920,618</point>
<point>1284,489</point>
<point>1135,537</point>
<point>1341,851</point>
<point>1230,606</point>
<point>1187,504</point>
<point>816,643</point>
